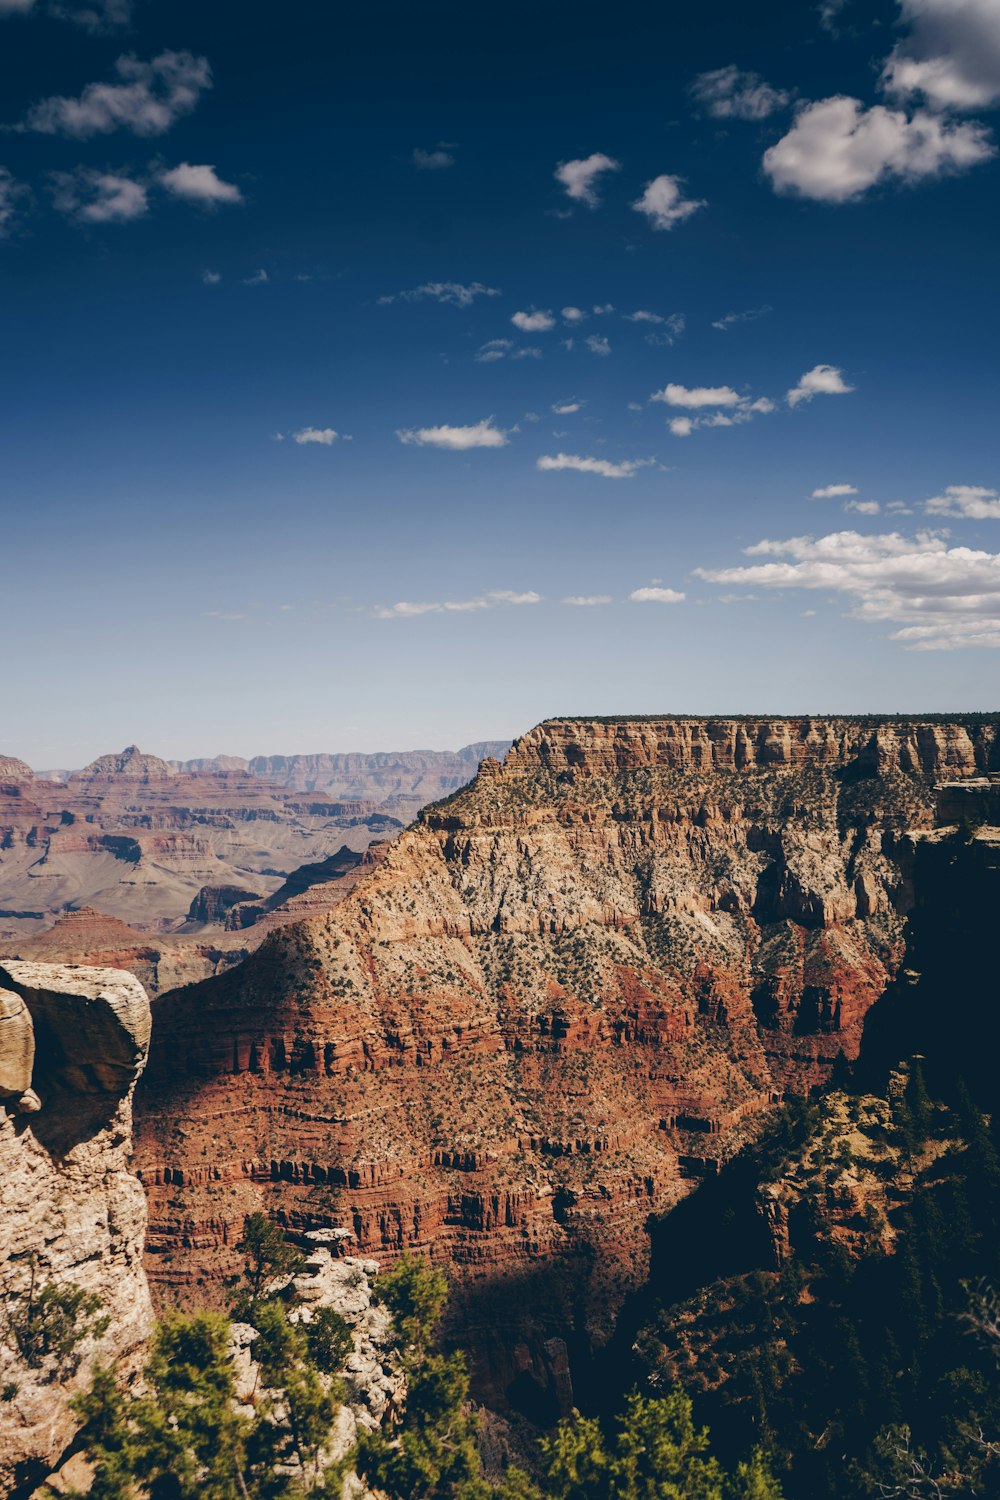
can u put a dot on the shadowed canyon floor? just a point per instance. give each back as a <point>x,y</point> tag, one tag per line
<point>564,996</point>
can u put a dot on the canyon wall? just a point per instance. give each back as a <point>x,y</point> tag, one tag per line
<point>566,994</point>
<point>72,1043</point>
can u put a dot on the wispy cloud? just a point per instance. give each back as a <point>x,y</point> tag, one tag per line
<point>92,197</point>
<point>323,435</point>
<point>12,193</point>
<point>821,380</point>
<point>96,16</point>
<point>970,502</point>
<point>494,599</point>
<point>458,439</point>
<point>493,350</point>
<point>834,491</point>
<point>586,601</point>
<point>150,98</point>
<point>211,278</point>
<point>730,320</point>
<point>432,161</point>
<point>567,408</point>
<point>451,293</point>
<point>602,466</point>
<point>534,322</point>
<point>579,178</point>
<point>940,597</point>
<point>663,202</point>
<point>259,278</point>
<point>656,595</point>
<point>698,396</point>
<point>863,507</point>
<point>729,94</point>
<point>598,344</point>
<point>727,406</point>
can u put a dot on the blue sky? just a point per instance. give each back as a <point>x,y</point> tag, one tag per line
<point>405,376</point>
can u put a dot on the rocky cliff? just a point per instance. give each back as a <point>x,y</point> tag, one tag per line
<point>566,995</point>
<point>72,1043</point>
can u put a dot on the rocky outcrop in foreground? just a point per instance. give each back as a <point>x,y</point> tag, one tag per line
<point>72,1044</point>
<point>566,995</point>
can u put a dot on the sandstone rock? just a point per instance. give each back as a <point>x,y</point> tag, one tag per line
<point>17,1046</point>
<point>71,1213</point>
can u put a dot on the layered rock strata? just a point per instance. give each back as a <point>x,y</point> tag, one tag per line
<point>566,994</point>
<point>72,1043</point>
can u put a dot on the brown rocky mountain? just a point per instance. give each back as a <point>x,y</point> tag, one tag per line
<point>567,994</point>
<point>156,846</point>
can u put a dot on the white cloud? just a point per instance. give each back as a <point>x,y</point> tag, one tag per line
<point>323,435</point>
<point>458,439</point>
<point>573,314</point>
<point>729,320</point>
<point>585,601</point>
<point>952,55</point>
<point>602,466</point>
<point>598,344</point>
<point>941,597</point>
<point>971,502</point>
<point>601,309</point>
<point>102,15</point>
<point>15,7</point>
<point>863,507</point>
<point>821,380</point>
<point>93,197</point>
<point>11,193</point>
<point>259,278</point>
<point>834,491</point>
<point>199,184</point>
<point>452,293</point>
<point>211,278</point>
<point>533,322</point>
<point>530,351</point>
<point>566,408</point>
<point>698,396</point>
<point>579,178</point>
<point>643,316</point>
<point>657,596</point>
<point>494,350</point>
<point>664,204</point>
<point>432,161</point>
<point>681,426</point>
<point>836,149</point>
<point>150,98</point>
<point>729,94</point>
<point>495,599</point>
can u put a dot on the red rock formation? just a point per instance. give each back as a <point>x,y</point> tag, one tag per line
<point>565,994</point>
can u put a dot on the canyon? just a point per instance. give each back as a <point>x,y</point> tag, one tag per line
<point>138,863</point>
<point>569,993</point>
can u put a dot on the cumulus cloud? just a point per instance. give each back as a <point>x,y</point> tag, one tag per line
<point>580,178</point>
<point>12,193</point>
<point>642,315</point>
<point>533,322</point>
<point>585,601</point>
<point>432,161</point>
<point>730,320</point>
<point>970,502</point>
<point>322,435</point>
<point>664,204</point>
<point>566,408</point>
<point>598,344</point>
<point>681,426</point>
<point>836,149</point>
<point>657,596</point>
<point>697,396</point>
<point>149,99</point>
<point>834,491</point>
<point>458,439</point>
<point>863,507</point>
<point>602,466</point>
<point>452,293</point>
<point>729,94</point>
<point>199,184</point>
<point>821,380</point>
<point>93,197</point>
<point>951,57</point>
<point>941,597</point>
<point>573,314</point>
<point>496,598</point>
